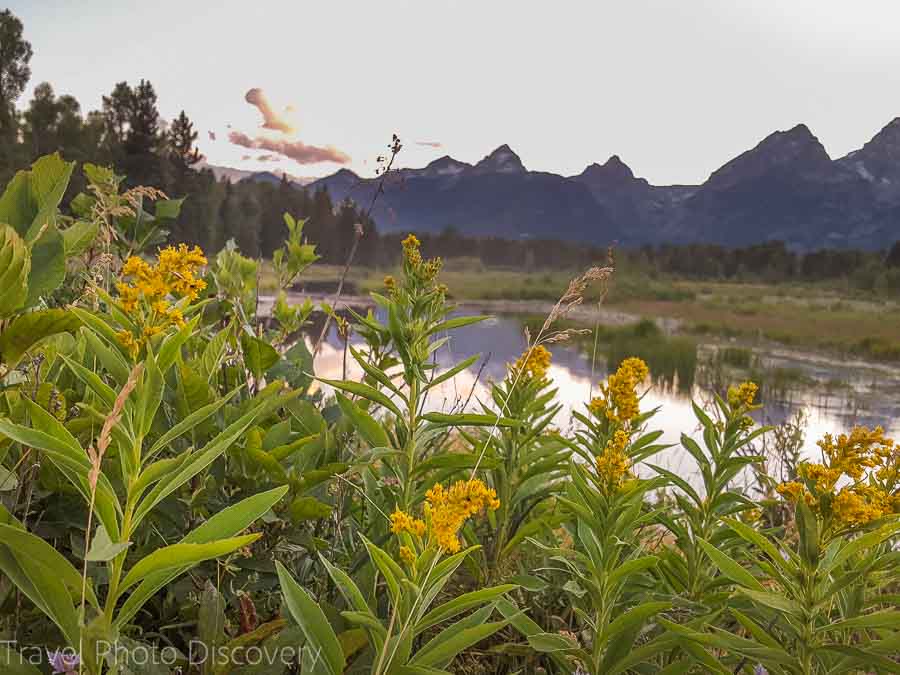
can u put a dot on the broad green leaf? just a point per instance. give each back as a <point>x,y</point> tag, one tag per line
<point>176,556</point>
<point>14,663</point>
<point>460,604</point>
<point>307,613</point>
<point>259,355</point>
<point>48,265</point>
<point>469,420</point>
<point>78,237</point>
<point>308,508</point>
<point>364,390</point>
<point>224,524</point>
<point>551,642</point>
<point>366,425</point>
<point>27,330</point>
<point>15,266</point>
<point>729,567</point>
<point>103,549</point>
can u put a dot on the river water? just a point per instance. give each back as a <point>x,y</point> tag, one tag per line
<point>832,395</point>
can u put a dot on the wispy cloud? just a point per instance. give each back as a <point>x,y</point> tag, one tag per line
<point>271,119</point>
<point>296,150</point>
<point>268,158</point>
<point>430,144</point>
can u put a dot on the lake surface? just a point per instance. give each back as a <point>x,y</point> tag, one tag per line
<point>834,395</point>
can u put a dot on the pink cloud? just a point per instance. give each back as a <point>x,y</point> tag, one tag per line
<point>271,119</point>
<point>296,150</point>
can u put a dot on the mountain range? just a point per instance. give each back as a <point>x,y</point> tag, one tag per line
<point>787,188</point>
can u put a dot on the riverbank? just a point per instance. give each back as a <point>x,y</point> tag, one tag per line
<point>805,316</point>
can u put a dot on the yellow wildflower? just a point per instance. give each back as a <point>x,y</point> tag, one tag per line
<point>390,283</point>
<point>407,555</point>
<point>449,509</point>
<point>403,522</point>
<point>533,363</point>
<point>614,464</point>
<point>147,295</point>
<point>743,395</point>
<point>618,399</point>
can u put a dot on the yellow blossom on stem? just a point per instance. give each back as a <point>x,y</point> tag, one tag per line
<point>743,395</point>
<point>448,509</point>
<point>403,522</point>
<point>533,363</point>
<point>614,464</point>
<point>407,555</point>
<point>618,400</point>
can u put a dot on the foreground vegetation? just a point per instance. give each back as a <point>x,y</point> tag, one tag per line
<point>178,496</point>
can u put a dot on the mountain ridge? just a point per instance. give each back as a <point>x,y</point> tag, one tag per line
<point>785,188</point>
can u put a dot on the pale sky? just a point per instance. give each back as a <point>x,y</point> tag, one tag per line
<point>674,87</point>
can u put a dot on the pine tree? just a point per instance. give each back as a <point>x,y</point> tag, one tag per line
<point>15,53</point>
<point>181,139</point>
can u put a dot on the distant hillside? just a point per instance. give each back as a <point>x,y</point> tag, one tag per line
<point>786,188</point>
<point>234,175</point>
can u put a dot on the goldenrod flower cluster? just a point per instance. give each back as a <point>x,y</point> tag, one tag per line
<point>390,283</point>
<point>425,271</point>
<point>743,395</point>
<point>614,464</point>
<point>403,522</point>
<point>533,363</point>
<point>148,294</point>
<point>447,510</point>
<point>618,399</point>
<point>407,555</point>
<point>868,460</point>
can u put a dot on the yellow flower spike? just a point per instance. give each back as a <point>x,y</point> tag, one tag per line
<point>743,395</point>
<point>534,362</point>
<point>618,400</point>
<point>614,464</point>
<point>448,509</point>
<point>407,555</point>
<point>403,522</point>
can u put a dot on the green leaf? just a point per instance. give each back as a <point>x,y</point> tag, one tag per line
<point>469,420</point>
<point>312,621</point>
<point>774,601</point>
<point>443,647</point>
<point>729,567</point>
<point>888,618</point>
<point>103,549</point>
<point>633,619</point>
<point>181,555</point>
<point>168,209</point>
<point>14,663</point>
<point>27,330</point>
<point>225,523</point>
<point>259,355</point>
<point>460,604</point>
<point>48,265</point>
<point>15,266</point>
<point>308,508</point>
<point>808,529</point>
<point>551,642</point>
<point>366,425</point>
<point>364,390</point>
<point>78,237</point>
<point>31,550</point>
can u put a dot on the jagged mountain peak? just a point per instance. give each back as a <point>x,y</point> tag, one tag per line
<point>501,160</point>
<point>614,169</point>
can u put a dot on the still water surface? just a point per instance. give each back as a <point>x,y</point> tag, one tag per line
<point>833,394</point>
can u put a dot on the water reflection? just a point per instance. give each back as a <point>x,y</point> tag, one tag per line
<point>834,395</point>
